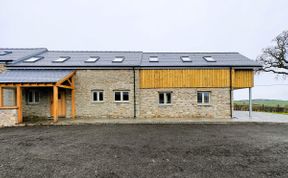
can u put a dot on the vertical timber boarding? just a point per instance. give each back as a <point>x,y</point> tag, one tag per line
<point>73,108</point>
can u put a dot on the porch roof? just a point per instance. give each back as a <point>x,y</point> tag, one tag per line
<point>33,76</point>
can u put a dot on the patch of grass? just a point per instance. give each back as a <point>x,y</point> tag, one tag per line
<point>266,102</point>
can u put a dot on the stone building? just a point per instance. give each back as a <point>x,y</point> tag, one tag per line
<point>119,84</point>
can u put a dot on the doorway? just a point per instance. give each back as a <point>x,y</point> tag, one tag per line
<point>61,104</point>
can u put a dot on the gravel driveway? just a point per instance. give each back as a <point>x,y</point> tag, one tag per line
<point>236,150</point>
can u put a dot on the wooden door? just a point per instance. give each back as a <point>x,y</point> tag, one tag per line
<point>61,104</point>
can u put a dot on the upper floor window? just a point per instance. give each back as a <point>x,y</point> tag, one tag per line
<point>153,59</point>
<point>209,59</point>
<point>61,59</point>
<point>186,59</point>
<point>97,95</point>
<point>118,59</point>
<point>165,98</point>
<point>203,97</point>
<point>33,59</point>
<point>33,97</point>
<point>92,59</point>
<point>121,96</point>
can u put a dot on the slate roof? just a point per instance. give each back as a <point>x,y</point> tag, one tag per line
<point>33,76</point>
<point>16,54</point>
<point>132,59</point>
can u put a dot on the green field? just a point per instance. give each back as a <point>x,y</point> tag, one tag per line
<point>266,102</point>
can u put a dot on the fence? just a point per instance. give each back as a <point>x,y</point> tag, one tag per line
<point>261,108</point>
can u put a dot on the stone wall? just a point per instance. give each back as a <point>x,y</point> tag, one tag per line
<point>2,68</point>
<point>184,104</point>
<point>8,117</point>
<point>108,81</point>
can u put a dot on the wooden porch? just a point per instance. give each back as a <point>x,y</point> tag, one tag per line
<point>67,82</point>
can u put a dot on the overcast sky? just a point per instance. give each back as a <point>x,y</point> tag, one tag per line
<point>244,26</point>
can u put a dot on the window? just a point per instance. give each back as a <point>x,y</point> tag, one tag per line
<point>33,59</point>
<point>153,59</point>
<point>97,96</point>
<point>209,59</point>
<point>3,53</point>
<point>165,98</point>
<point>33,97</point>
<point>121,96</point>
<point>186,59</point>
<point>92,59</point>
<point>203,97</point>
<point>9,96</point>
<point>118,59</point>
<point>61,59</point>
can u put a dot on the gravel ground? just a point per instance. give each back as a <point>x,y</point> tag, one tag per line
<point>237,150</point>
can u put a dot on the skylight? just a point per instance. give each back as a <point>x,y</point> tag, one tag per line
<point>33,59</point>
<point>92,59</point>
<point>118,59</point>
<point>3,53</point>
<point>209,59</point>
<point>186,59</point>
<point>153,59</point>
<point>62,59</point>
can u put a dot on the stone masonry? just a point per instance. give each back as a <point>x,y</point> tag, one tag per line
<point>8,117</point>
<point>184,100</point>
<point>184,104</point>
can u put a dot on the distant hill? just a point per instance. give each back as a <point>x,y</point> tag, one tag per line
<point>266,102</point>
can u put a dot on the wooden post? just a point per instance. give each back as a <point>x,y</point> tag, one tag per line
<point>73,109</point>
<point>1,97</point>
<point>55,103</point>
<point>19,103</point>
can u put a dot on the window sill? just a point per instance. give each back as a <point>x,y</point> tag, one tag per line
<point>97,102</point>
<point>32,103</point>
<point>163,105</point>
<point>119,102</point>
<point>204,105</point>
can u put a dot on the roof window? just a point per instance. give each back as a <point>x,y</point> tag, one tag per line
<point>92,59</point>
<point>61,59</point>
<point>33,59</point>
<point>209,59</point>
<point>3,53</point>
<point>186,59</point>
<point>153,59</point>
<point>118,59</point>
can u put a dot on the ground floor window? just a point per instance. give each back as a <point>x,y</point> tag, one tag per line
<point>33,97</point>
<point>203,97</point>
<point>9,96</point>
<point>97,95</point>
<point>165,98</point>
<point>121,96</point>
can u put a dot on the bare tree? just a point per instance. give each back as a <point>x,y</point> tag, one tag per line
<point>275,58</point>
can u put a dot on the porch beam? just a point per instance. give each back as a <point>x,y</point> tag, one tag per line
<point>19,103</point>
<point>73,108</point>
<point>64,86</point>
<point>55,103</point>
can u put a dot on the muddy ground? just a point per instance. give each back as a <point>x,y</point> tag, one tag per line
<point>245,150</point>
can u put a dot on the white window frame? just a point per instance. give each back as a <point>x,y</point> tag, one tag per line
<point>165,98</point>
<point>186,59</point>
<point>98,96</point>
<point>33,97</point>
<point>92,59</point>
<point>121,96</point>
<point>33,59</point>
<point>61,59</point>
<point>153,59</point>
<point>209,59</point>
<point>202,96</point>
<point>118,59</point>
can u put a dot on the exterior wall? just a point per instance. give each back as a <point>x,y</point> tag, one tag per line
<point>108,81</point>
<point>8,117</point>
<point>184,103</point>
<point>41,109</point>
<point>2,68</point>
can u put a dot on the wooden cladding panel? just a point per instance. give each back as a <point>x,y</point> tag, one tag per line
<point>243,79</point>
<point>185,78</point>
